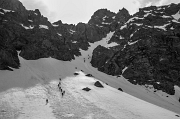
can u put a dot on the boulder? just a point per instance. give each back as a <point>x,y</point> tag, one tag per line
<point>98,84</point>
<point>120,89</point>
<point>86,89</point>
<point>89,75</point>
<point>76,74</point>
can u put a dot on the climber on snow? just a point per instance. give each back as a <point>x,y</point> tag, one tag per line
<point>47,101</point>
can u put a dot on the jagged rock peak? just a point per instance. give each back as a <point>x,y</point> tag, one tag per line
<point>107,16</point>
<point>102,12</point>
<point>14,5</point>
<point>123,12</point>
<point>59,22</point>
<point>167,9</point>
<point>37,11</point>
<point>143,55</point>
<point>123,15</point>
<point>100,16</point>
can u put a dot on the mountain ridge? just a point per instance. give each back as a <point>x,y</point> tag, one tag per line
<point>145,50</point>
<point>32,25</point>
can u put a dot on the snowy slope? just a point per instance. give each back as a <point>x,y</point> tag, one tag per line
<point>104,103</point>
<point>45,70</point>
<point>118,104</point>
<point>159,98</point>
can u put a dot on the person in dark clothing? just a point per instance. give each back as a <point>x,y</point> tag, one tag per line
<point>59,84</point>
<point>46,101</point>
<point>63,93</point>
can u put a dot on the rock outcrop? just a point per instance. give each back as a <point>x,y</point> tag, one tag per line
<point>98,84</point>
<point>148,50</point>
<point>35,37</point>
<point>120,89</point>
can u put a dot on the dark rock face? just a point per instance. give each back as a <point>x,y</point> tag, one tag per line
<point>109,20</point>
<point>100,57</point>
<point>35,37</point>
<point>86,89</point>
<point>98,84</point>
<point>148,49</point>
<point>14,5</point>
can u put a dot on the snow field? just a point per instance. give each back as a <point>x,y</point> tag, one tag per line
<point>31,104</point>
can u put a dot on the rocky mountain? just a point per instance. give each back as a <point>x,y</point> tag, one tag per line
<point>31,33</point>
<point>147,49</point>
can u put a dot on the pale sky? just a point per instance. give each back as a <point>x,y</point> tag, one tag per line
<point>74,11</point>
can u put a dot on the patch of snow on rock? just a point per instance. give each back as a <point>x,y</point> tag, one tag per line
<point>147,14</point>
<point>131,19</point>
<point>131,43</point>
<point>111,45</point>
<point>172,28</point>
<point>55,25</point>
<point>5,10</point>
<point>27,27</point>
<point>106,23</point>
<point>162,27</point>
<point>124,69</point>
<point>59,34</point>
<point>43,26</point>
<point>104,18</point>
<point>122,27</point>
<point>164,16</point>
<point>120,37</point>
<point>138,24</point>
<point>98,25</point>
<point>72,31</point>
<point>74,42</point>
<point>104,41</point>
<point>147,11</point>
<point>176,16</point>
<point>175,21</point>
<point>30,20</point>
<point>113,17</point>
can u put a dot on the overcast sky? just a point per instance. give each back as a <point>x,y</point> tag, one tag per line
<point>74,11</point>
